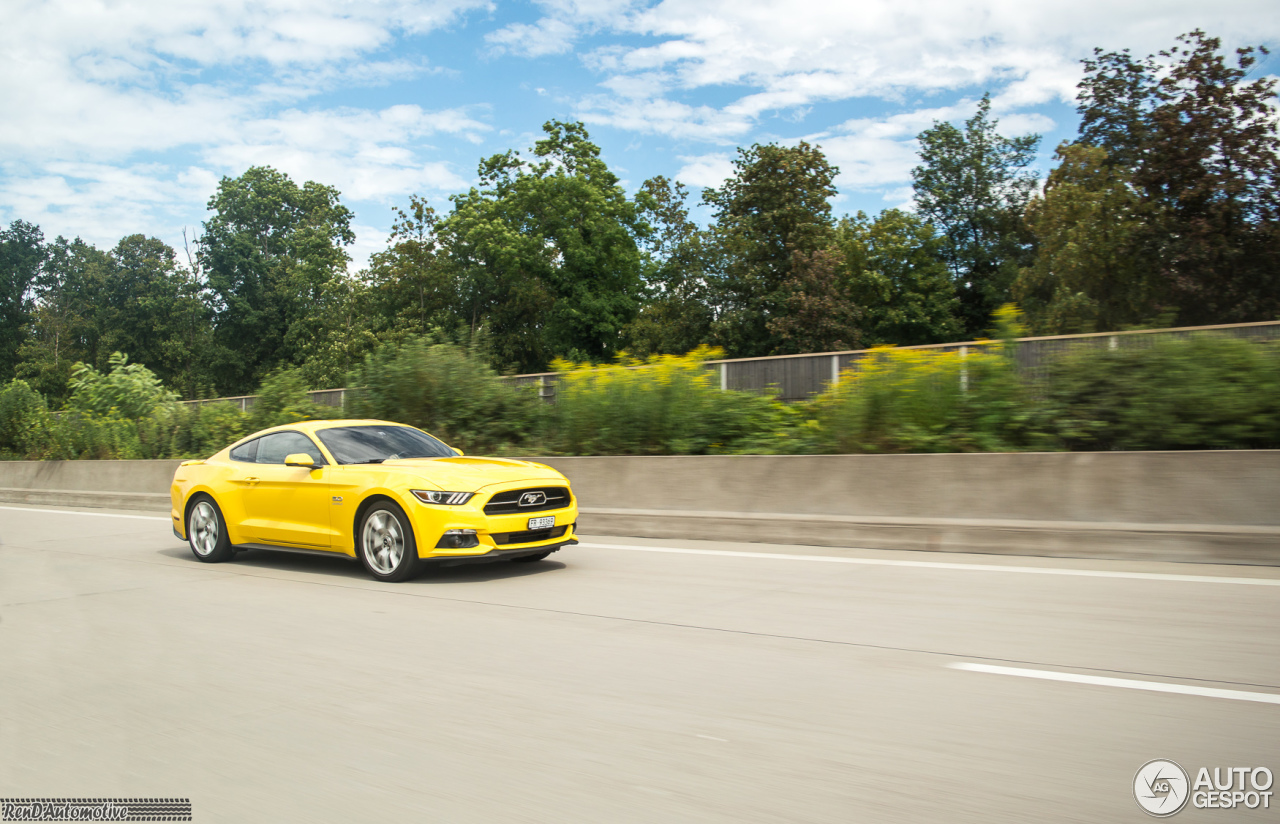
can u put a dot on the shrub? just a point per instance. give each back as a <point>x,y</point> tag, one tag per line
<point>24,421</point>
<point>217,425</point>
<point>77,435</point>
<point>446,390</point>
<point>901,400</point>
<point>132,390</point>
<point>191,431</point>
<point>1202,392</point>
<point>283,399</point>
<point>663,405</point>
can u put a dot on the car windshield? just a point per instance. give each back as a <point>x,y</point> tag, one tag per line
<point>375,444</point>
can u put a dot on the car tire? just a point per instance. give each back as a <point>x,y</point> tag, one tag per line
<point>385,542</point>
<point>528,559</point>
<point>207,531</point>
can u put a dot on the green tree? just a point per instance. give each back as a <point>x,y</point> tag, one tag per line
<point>22,253</point>
<point>676,315</point>
<point>342,330</point>
<point>545,252</point>
<point>153,308</point>
<point>413,288</point>
<point>1201,146</point>
<point>1088,274</point>
<point>775,204</point>
<point>973,185</point>
<point>897,276</point>
<point>268,252</point>
<point>68,291</point>
<point>819,314</point>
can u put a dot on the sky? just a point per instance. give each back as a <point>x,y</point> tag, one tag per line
<point>121,117</point>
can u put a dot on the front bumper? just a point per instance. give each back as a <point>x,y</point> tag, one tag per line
<point>498,535</point>
<point>495,554</point>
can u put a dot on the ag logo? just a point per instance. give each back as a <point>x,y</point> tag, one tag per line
<point>533,498</point>
<point>1161,787</point>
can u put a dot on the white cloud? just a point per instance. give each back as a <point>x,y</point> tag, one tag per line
<point>874,153</point>
<point>547,36</point>
<point>708,170</point>
<point>102,202</point>
<point>201,89</point>
<point>660,115</point>
<point>765,59</point>
<point>784,59</point>
<point>565,22</point>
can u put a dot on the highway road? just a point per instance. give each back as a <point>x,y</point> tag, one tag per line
<point>623,680</point>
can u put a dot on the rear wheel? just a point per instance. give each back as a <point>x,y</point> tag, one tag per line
<point>387,547</point>
<point>207,531</point>
<point>528,559</point>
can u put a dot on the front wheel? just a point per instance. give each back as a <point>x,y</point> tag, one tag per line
<point>207,531</point>
<point>387,548</point>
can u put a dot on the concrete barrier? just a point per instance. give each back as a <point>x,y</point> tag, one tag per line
<point>1217,507</point>
<point>109,484</point>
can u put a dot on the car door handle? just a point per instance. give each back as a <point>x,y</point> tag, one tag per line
<point>252,481</point>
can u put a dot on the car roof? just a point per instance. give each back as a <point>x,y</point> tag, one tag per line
<point>311,427</point>
<point>315,426</point>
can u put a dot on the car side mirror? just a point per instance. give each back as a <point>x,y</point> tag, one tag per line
<point>459,451</point>
<point>300,459</point>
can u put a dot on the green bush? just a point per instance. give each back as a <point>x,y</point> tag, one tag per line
<point>663,405</point>
<point>217,425</point>
<point>903,400</point>
<point>1202,392</point>
<point>445,390</point>
<point>24,421</point>
<point>191,431</point>
<point>77,435</point>
<point>283,399</point>
<point>130,389</point>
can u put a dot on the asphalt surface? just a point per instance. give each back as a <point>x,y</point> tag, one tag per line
<point>647,681</point>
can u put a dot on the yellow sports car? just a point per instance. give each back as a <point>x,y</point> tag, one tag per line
<point>388,494</point>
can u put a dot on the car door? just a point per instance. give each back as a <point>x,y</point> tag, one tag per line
<point>287,505</point>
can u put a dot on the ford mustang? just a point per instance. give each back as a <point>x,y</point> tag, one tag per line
<point>390,495</point>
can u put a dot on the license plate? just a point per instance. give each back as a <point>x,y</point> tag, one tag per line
<point>542,523</point>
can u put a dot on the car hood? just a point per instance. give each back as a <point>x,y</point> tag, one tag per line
<point>467,474</point>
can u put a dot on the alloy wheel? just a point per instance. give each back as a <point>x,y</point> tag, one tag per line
<point>204,528</point>
<point>383,541</point>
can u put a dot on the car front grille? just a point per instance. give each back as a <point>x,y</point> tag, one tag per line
<point>508,503</point>
<point>531,536</point>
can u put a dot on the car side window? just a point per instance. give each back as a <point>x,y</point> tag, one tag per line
<point>247,452</point>
<point>274,448</point>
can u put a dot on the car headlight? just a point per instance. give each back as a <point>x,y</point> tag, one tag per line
<point>430,496</point>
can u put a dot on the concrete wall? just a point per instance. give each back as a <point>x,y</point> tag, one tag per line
<point>109,484</point>
<point>1237,487</point>
<point>1186,506</point>
<point>1219,507</point>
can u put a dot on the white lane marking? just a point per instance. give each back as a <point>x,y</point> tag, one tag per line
<point>1028,570</point>
<point>78,512</point>
<point>712,738</point>
<point>1122,683</point>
